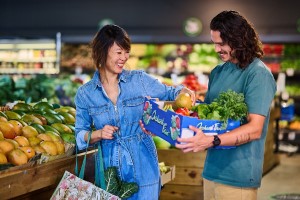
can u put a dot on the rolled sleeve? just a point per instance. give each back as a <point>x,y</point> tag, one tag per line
<point>81,143</point>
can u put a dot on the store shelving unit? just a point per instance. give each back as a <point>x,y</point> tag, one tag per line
<point>30,56</point>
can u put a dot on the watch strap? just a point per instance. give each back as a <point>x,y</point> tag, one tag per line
<point>216,142</point>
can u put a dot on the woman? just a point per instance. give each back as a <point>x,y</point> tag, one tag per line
<point>112,102</point>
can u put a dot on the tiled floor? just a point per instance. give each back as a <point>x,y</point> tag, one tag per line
<point>282,179</point>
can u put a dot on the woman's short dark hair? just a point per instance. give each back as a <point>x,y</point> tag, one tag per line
<point>104,39</point>
<point>236,31</point>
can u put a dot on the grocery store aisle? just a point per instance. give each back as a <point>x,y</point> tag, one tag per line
<point>282,180</point>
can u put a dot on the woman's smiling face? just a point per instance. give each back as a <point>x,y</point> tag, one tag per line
<point>116,59</point>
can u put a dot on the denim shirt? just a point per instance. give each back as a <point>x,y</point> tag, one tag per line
<point>131,150</point>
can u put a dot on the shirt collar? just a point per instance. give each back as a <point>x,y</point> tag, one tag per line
<point>96,78</point>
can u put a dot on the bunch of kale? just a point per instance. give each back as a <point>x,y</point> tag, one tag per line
<point>228,105</point>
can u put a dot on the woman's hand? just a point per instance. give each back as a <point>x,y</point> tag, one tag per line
<point>190,92</point>
<point>105,133</point>
<point>108,131</point>
<point>144,130</point>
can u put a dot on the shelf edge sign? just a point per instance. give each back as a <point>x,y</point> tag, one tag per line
<point>192,26</point>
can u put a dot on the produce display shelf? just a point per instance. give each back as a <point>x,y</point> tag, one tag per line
<point>21,180</point>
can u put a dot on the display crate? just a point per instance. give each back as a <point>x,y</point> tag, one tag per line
<point>168,176</point>
<point>188,181</point>
<point>18,181</point>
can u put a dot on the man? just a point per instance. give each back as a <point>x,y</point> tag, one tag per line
<point>236,173</point>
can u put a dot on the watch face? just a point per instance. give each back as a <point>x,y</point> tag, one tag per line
<point>216,141</point>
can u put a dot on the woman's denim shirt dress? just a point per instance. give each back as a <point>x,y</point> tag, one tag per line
<point>131,150</point>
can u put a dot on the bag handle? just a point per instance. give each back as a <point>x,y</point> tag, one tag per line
<point>99,170</point>
<point>82,169</point>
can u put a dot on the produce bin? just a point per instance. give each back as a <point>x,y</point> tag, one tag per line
<point>22,180</point>
<point>168,176</point>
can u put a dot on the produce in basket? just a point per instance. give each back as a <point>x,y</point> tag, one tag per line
<point>183,100</point>
<point>228,105</point>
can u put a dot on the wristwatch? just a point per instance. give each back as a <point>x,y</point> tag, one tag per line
<point>216,141</point>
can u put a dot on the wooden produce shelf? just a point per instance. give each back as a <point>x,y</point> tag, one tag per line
<point>25,180</point>
<point>271,159</point>
<point>188,181</point>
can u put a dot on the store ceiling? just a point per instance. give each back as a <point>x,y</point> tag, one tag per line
<point>152,21</point>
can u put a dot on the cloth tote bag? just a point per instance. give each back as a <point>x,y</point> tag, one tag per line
<point>74,187</point>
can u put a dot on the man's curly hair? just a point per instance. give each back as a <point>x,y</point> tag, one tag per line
<point>236,31</point>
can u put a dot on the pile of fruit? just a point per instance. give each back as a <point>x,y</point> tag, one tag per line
<point>163,168</point>
<point>228,105</point>
<point>27,130</point>
<point>182,104</point>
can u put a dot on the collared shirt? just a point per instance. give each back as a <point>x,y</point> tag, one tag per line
<point>94,107</point>
<point>131,150</point>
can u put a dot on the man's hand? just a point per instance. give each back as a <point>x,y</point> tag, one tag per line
<point>199,142</point>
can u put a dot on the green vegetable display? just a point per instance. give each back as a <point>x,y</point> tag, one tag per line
<point>59,90</point>
<point>228,105</point>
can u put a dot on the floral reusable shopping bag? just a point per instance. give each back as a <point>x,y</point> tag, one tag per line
<point>73,188</point>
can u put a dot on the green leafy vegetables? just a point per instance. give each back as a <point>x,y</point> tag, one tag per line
<point>228,105</point>
<point>116,186</point>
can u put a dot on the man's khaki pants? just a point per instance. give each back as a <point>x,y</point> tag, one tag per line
<point>217,191</point>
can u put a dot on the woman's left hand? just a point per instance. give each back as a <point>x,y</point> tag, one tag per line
<point>144,130</point>
<point>190,92</point>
